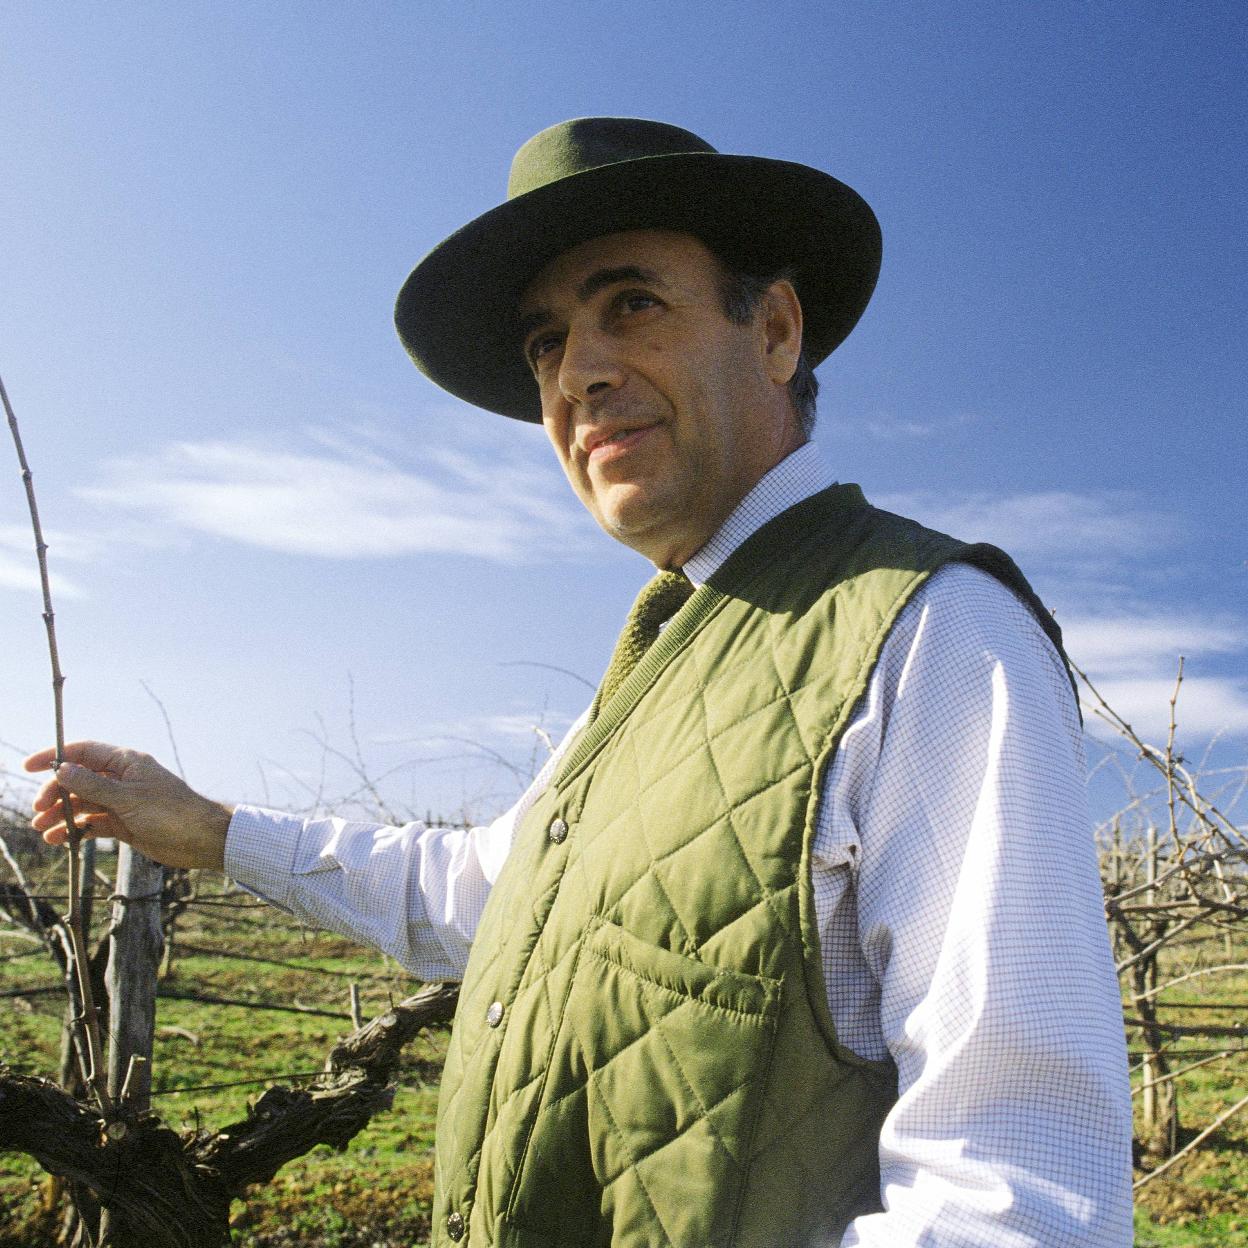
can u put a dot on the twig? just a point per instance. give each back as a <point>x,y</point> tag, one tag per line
<point>133,1075</point>
<point>1187,1148</point>
<point>550,667</point>
<point>1165,939</point>
<point>89,1022</point>
<point>264,782</point>
<point>1171,800</point>
<point>1178,1029</point>
<point>1184,1070</point>
<point>1204,970</point>
<point>172,994</point>
<point>1150,753</point>
<point>308,968</point>
<point>164,714</point>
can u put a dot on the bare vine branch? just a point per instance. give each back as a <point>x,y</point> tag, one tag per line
<point>89,1022</point>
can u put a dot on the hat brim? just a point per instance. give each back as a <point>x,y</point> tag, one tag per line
<point>456,313</point>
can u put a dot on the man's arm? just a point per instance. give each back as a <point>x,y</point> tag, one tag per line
<point>979,916</point>
<point>415,892</point>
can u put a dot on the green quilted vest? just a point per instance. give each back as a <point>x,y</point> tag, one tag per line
<point>643,1053</point>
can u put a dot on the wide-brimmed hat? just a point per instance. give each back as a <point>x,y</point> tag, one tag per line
<point>456,313</point>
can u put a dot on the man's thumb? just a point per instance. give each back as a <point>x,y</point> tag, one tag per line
<point>87,783</point>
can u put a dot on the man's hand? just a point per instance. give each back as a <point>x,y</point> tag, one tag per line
<point>130,796</point>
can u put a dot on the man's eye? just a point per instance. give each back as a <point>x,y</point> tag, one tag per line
<point>637,302</point>
<point>542,345</point>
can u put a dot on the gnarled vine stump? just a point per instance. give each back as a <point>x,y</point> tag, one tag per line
<point>165,1190</point>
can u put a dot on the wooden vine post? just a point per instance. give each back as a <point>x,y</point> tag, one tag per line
<point>136,947</point>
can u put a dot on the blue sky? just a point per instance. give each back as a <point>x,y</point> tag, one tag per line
<point>263,515</point>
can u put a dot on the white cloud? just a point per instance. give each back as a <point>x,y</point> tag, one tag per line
<point>1053,525</point>
<point>885,427</point>
<point>1133,661</point>
<point>1207,707</point>
<point>344,502</point>
<point>1132,646</point>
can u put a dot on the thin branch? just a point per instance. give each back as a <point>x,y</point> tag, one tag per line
<point>1183,1070</point>
<point>1237,1030</point>
<point>550,667</point>
<point>164,714</point>
<point>1206,970</point>
<point>1187,1148</point>
<point>1171,800</point>
<point>90,1021</point>
<point>264,783</point>
<point>1148,950</point>
<point>1150,753</point>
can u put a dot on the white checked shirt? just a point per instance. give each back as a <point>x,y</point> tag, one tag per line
<point>957,898</point>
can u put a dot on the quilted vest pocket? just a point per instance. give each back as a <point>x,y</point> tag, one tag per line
<point>650,1100</point>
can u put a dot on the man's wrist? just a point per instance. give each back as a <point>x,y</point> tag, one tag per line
<point>212,827</point>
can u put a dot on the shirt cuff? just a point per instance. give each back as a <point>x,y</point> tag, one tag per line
<point>260,848</point>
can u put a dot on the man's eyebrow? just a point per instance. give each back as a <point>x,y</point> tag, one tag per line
<point>612,277</point>
<point>596,281</point>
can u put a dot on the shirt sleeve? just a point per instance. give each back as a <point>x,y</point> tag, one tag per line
<point>962,822</point>
<point>413,891</point>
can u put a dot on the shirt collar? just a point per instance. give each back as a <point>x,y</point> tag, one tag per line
<point>794,478</point>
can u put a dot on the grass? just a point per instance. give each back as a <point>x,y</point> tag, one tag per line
<point>378,1193</point>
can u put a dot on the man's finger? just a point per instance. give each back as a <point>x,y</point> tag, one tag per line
<point>97,755</point>
<point>82,819</point>
<point>89,825</point>
<point>53,812</point>
<point>49,795</point>
<point>40,761</point>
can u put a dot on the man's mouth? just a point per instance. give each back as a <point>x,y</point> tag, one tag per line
<point>605,446</point>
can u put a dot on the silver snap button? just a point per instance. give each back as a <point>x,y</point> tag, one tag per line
<point>558,831</point>
<point>455,1227</point>
<point>494,1015</point>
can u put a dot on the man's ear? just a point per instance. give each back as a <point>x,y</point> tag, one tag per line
<point>781,321</point>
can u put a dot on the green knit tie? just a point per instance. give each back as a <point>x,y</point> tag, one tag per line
<point>658,601</point>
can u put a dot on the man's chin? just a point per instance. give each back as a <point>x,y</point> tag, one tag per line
<point>658,529</point>
<point>627,507</point>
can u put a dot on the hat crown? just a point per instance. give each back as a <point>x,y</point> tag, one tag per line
<point>572,147</point>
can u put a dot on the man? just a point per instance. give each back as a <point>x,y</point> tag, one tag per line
<point>797,938</point>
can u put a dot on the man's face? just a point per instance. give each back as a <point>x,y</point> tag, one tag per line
<point>662,411</point>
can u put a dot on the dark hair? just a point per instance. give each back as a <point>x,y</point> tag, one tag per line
<point>740,293</point>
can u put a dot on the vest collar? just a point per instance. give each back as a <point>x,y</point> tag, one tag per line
<point>794,479</point>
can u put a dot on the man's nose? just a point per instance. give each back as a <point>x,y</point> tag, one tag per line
<point>590,365</point>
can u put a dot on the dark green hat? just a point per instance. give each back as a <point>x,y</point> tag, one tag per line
<point>456,313</point>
